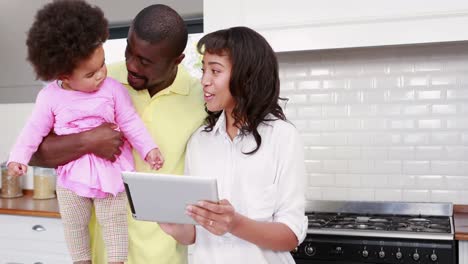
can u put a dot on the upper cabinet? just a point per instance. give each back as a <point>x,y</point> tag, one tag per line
<point>294,25</point>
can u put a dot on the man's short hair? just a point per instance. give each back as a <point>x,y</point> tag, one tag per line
<point>160,23</point>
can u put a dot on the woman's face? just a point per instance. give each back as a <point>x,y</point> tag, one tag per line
<point>215,81</point>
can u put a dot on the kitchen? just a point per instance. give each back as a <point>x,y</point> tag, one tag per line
<point>379,93</point>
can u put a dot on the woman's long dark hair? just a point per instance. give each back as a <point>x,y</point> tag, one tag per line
<point>254,82</point>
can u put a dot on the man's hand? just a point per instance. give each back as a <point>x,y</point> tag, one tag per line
<point>104,141</point>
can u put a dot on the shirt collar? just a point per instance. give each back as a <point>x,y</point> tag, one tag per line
<point>220,125</point>
<point>181,84</point>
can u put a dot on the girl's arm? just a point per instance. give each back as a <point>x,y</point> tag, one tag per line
<point>129,122</point>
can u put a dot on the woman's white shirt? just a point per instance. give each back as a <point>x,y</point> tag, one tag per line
<point>266,186</point>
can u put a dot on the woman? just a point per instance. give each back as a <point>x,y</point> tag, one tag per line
<point>255,154</point>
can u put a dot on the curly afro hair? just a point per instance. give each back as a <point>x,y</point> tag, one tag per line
<point>64,33</point>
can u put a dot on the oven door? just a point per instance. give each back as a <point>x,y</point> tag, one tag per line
<point>328,249</point>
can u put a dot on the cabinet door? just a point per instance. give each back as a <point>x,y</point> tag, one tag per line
<point>324,24</point>
<point>32,240</point>
<point>26,257</point>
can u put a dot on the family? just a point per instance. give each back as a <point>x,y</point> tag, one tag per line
<point>150,114</point>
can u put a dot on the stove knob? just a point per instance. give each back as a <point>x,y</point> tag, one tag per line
<point>434,257</point>
<point>365,253</point>
<point>381,254</point>
<point>398,255</point>
<point>310,250</point>
<point>416,256</point>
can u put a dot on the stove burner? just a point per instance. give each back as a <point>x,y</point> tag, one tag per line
<point>427,224</point>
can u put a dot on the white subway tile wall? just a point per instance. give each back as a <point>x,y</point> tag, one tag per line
<point>382,123</point>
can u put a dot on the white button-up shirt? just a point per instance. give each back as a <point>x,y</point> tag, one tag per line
<point>266,186</point>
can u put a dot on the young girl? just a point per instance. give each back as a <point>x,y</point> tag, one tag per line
<point>255,154</point>
<point>65,47</point>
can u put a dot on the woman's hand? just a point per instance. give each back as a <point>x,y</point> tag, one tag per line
<point>218,218</point>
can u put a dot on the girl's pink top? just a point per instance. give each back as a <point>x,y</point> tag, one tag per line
<point>68,112</point>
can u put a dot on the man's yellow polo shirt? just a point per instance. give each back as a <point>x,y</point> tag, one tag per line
<point>171,116</point>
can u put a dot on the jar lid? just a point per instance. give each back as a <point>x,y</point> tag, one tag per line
<point>44,171</point>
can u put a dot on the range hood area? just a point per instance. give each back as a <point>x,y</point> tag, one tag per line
<point>298,25</point>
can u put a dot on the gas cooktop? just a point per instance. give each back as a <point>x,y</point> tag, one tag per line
<point>383,224</point>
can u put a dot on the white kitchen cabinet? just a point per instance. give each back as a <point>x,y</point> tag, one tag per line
<point>462,252</point>
<point>326,24</point>
<point>32,240</point>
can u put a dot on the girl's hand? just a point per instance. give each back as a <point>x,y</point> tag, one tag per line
<point>17,169</point>
<point>171,229</point>
<point>218,218</point>
<point>155,159</point>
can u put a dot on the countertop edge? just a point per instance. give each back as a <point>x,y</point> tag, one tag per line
<point>460,219</point>
<point>27,206</point>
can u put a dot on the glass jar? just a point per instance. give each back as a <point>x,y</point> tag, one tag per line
<point>11,185</point>
<point>44,183</point>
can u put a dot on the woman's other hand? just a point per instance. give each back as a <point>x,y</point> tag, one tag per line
<point>218,218</point>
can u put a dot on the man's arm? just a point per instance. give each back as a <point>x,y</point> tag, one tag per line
<point>103,141</point>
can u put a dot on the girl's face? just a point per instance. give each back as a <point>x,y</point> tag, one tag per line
<point>215,81</point>
<point>88,75</point>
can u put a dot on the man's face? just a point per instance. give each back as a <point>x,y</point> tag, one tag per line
<point>149,65</point>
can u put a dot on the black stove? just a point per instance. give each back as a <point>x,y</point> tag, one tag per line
<point>378,232</point>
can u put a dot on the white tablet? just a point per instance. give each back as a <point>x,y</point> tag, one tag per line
<point>163,198</point>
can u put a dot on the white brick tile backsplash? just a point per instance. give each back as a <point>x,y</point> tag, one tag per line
<point>444,109</point>
<point>388,167</point>
<point>401,181</point>
<point>335,166</point>
<point>416,109</point>
<point>394,95</point>
<point>416,139</point>
<point>322,179</point>
<point>445,138</point>
<point>443,80</point>
<point>309,85</point>
<point>456,152</point>
<point>347,180</point>
<point>335,193</point>
<point>431,123</point>
<point>428,152</point>
<point>401,153</point>
<point>416,167</point>
<point>371,153</point>
<point>374,180</point>
<point>425,66</point>
<point>347,153</point>
<point>431,182</point>
<point>457,182</point>
<point>415,81</point>
<point>388,195</point>
<point>416,195</point>
<point>314,193</point>
<point>361,194</point>
<point>445,167</point>
<point>390,125</point>
<point>443,196</point>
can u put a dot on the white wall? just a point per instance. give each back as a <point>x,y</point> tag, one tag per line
<point>385,123</point>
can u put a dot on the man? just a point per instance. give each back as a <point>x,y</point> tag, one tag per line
<point>170,103</point>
